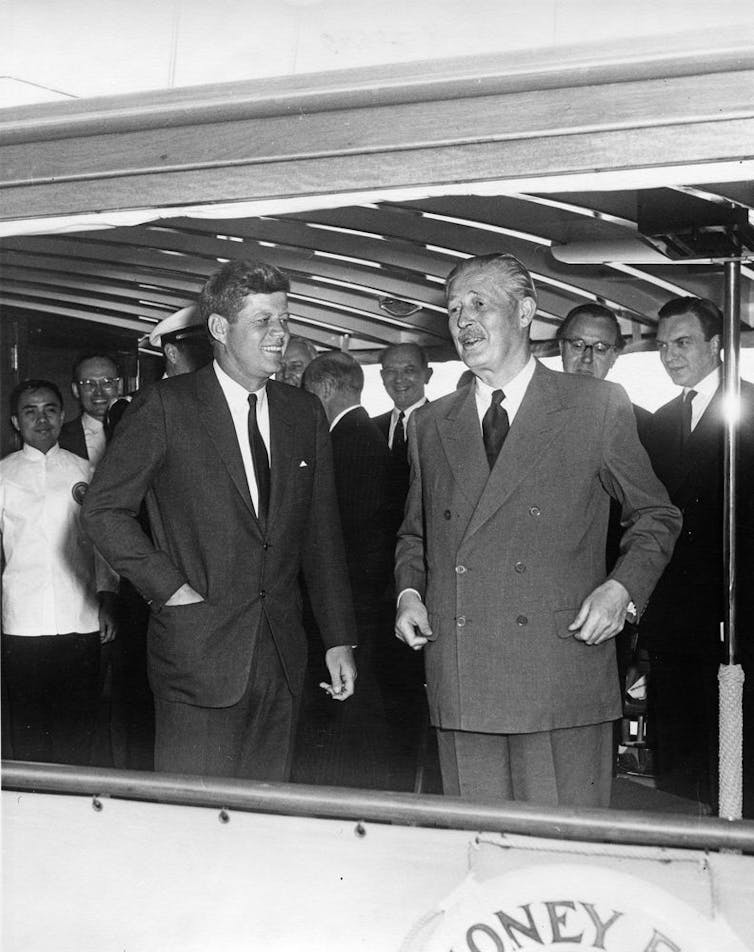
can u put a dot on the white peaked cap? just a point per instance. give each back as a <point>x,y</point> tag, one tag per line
<point>181,320</point>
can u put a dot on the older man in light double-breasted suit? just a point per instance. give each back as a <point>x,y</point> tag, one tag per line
<point>500,563</point>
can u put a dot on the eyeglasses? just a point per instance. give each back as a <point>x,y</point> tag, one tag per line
<point>580,346</point>
<point>104,383</point>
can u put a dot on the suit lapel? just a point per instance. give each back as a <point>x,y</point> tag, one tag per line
<point>465,455</point>
<point>529,437</point>
<point>214,415</point>
<point>282,424</point>
<point>708,428</point>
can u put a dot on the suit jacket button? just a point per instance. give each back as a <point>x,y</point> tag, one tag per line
<point>535,511</point>
<point>263,594</point>
<point>447,513</point>
<point>265,546</point>
<point>461,621</point>
<point>519,567</point>
<point>522,621</point>
<point>460,569</point>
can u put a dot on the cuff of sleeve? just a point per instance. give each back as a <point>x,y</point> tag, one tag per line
<point>403,592</point>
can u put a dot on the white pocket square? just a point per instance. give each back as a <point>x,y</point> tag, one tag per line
<point>302,464</point>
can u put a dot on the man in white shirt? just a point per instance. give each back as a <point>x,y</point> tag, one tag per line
<point>54,617</point>
<point>681,628</point>
<point>96,383</point>
<point>236,473</point>
<point>500,563</point>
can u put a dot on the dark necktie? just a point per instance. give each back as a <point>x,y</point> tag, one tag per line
<point>260,459</point>
<point>686,416</point>
<point>495,426</point>
<point>398,449</point>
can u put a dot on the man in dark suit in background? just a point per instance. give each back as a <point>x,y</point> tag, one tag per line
<point>405,374</point>
<point>96,383</point>
<point>236,471</point>
<point>361,459</point>
<point>500,564</point>
<point>682,626</point>
<point>590,342</point>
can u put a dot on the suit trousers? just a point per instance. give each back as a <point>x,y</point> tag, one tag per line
<point>683,724</point>
<point>252,739</point>
<point>571,766</point>
<point>53,684</point>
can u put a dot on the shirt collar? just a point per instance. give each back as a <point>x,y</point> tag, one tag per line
<point>90,423</point>
<point>36,456</point>
<point>235,394</point>
<point>514,390</point>
<point>342,413</point>
<point>707,385</point>
<point>409,410</point>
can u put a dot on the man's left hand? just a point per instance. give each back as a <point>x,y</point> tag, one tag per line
<point>107,625</point>
<point>602,614</point>
<point>342,667</point>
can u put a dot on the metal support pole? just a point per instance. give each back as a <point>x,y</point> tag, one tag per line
<point>731,396</point>
<point>731,674</point>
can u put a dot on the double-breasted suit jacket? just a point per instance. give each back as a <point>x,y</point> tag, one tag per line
<point>176,446</point>
<point>504,559</point>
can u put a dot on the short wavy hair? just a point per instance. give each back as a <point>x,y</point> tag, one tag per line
<point>226,290</point>
<point>709,315</point>
<point>343,370</point>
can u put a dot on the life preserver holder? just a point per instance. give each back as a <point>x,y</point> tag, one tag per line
<point>569,908</point>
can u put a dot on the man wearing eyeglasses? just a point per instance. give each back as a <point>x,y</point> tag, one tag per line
<point>500,563</point>
<point>96,383</point>
<point>590,342</point>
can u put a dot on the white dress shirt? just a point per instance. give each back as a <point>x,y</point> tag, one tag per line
<point>94,435</point>
<point>49,585</point>
<point>514,392</point>
<point>705,391</point>
<point>406,414</point>
<point>238,404</point>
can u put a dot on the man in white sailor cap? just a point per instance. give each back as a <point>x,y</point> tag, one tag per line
<point>183,340</point>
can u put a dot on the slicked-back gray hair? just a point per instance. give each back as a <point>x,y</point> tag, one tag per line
<point>515,278</point>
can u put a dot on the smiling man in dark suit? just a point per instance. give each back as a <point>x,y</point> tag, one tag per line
<point>96,383</point>
<point>500,565</point>
<point>681,628</point>
<point>236,470</point>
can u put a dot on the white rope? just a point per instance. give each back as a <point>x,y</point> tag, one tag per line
<point>730,679</point>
